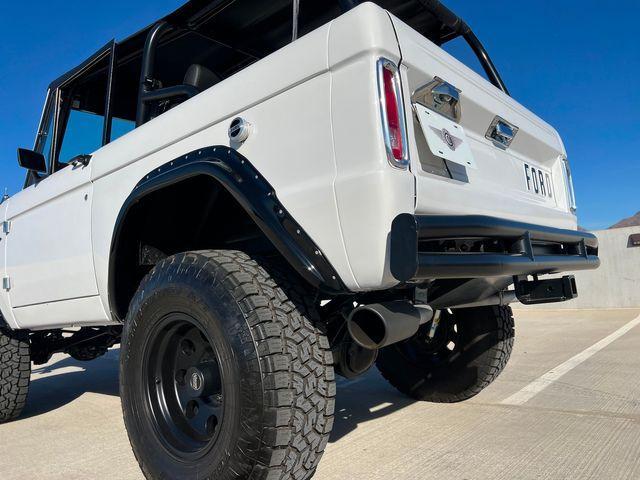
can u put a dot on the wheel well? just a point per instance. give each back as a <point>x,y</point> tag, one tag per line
<point>192,214</point>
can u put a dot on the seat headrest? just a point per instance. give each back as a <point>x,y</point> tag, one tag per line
<point>200,77</point>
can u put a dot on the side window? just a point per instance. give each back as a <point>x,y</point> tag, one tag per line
<point>124,96</point>
<point>83,135</point>
<point>120,127</point>
<point>82,114</point>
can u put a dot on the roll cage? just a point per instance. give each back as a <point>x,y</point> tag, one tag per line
<point>145,72</point>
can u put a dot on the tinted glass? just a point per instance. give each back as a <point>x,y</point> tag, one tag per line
<point>120,127</point>
<point>82,112</point>
<point>82,136</point>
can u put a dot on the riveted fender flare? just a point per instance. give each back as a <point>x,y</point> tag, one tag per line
<point>253,192</point>
<point>3,322</point>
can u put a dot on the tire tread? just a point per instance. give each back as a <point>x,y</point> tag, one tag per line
<point>293,354</point>
<point>15,373</point>
<point>492,363</point>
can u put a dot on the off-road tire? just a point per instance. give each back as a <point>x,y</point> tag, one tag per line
<point>15,373</point>
<point>484,342</point>
<point>279,405</point>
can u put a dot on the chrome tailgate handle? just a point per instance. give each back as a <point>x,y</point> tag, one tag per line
<point>501,132</point>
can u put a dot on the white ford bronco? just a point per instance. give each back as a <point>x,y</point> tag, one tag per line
<point>249,196</point>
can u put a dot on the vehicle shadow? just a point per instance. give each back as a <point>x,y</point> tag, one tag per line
<point>64,379</point>
<point>364,399</point>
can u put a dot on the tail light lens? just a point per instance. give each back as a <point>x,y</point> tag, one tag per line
<point>392,113</point>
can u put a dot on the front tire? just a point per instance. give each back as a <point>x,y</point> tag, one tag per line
<point>469,350</point>
<point>257,399</point>
<point>15,373</point>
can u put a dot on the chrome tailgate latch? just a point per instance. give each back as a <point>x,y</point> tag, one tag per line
<point>501,132</point>
<point>441,97</point>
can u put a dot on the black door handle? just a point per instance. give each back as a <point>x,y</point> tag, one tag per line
<point>80,161</point>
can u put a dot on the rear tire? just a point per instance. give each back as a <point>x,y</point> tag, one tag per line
<point>468,352</point>
<point>272,397</point>
<point>15,373</point>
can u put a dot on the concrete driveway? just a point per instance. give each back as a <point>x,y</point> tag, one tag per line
<point>567,406</point>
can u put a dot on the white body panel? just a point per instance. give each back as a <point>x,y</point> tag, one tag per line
<point>49,249</point>
<point>317,140</point>
<point>77,312</point>
<point>5,303</point>
<point>288,91</point>
<point>370,193</point>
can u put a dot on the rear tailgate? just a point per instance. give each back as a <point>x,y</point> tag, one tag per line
<point>523,182</point>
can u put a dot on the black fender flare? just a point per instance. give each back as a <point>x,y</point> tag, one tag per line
<point>253,192</point>
<point>3,323</point>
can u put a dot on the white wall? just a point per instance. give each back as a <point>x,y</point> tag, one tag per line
<point>616,284</point>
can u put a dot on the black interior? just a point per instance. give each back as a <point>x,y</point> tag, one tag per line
<point>200,77</point>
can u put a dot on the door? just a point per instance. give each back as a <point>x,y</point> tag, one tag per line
<point>49,254</point>
<point>49,244</point>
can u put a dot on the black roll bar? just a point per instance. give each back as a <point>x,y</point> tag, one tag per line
<point>148,90</point>
<point>488,66</point>
<point>167,93</point>
<point>460,27</point>
<point>347,5</point>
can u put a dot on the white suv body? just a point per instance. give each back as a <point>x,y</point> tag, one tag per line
<point>317,138</point>
<point>247,216</point>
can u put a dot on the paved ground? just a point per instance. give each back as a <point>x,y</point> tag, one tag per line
<point>584,424</point>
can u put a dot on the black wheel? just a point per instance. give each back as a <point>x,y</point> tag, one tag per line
<point>223,373</point>
<point>15,372</point>
<point>467,352</point>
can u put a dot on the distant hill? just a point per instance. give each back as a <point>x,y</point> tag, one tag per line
<point>632,221</point>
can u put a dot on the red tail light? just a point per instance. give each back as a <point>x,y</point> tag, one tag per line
<point>392,112</point>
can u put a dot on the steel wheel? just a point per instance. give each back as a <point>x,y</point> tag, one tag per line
<point>423,349</point>
<point>184,386</point>
<point>222,375</point>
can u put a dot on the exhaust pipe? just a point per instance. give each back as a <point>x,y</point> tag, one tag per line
<point>502,298</point>
<point>380,324</point>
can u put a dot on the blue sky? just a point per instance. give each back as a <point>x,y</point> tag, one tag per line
<point>570,61</point>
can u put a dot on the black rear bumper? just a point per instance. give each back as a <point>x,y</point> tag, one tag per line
<point>471,246</point>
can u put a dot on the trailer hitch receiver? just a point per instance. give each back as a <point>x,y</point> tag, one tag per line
<point>531,292</point>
